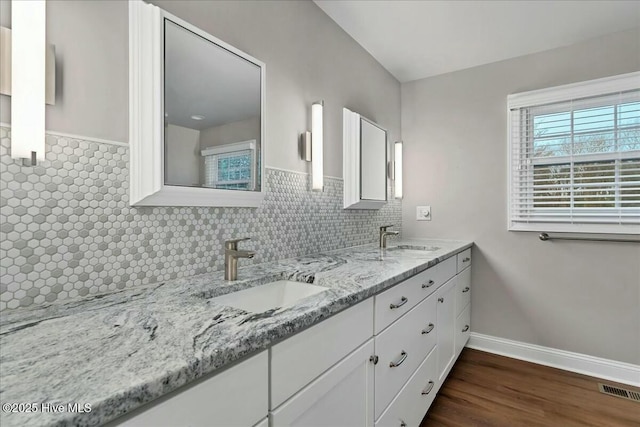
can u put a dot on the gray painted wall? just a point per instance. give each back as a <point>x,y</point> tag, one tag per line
<point>308,58</point>
<point>183,155</point>
<point>575,296</point>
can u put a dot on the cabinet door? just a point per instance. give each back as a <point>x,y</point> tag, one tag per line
<point>236,396</point>
<point>342,396</point>
<point>463,329</point>
<point>446,320</point>
<point>297,361</point>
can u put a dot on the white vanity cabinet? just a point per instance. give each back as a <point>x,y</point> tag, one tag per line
<point>237,396</point>
<point>379,363</point>
<point>403,398</point>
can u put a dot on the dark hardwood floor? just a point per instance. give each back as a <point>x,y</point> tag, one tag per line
<point>485,389</point>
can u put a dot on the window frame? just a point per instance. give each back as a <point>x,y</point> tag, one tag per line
<point>542,97</point>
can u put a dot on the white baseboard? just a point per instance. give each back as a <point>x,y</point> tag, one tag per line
<point>611,370</point>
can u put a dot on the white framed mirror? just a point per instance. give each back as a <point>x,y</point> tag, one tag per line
<point>196,115</point>
<point>364,167</point>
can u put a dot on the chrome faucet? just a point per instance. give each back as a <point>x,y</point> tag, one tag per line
<point>231,255</point>
<point>384,233</point>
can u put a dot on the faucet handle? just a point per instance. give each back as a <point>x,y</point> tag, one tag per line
<point>233,243</point>
<point>384,227</point>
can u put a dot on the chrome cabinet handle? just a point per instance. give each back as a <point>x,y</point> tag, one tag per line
<point>428,389</point>
<point>403,424</point>
<point>403,357</point>
<point>428,284</point>
<point>467,259</point>
<point>429,329</point>
<point>440,299</point>
<point>466,289</point>
<point>466,328</point>
<point>402,302</point>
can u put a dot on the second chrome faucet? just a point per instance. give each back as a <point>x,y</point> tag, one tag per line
<point>384,234</point>
<point>231,255</point>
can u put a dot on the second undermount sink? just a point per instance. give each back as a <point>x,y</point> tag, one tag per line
<point>283,293</point>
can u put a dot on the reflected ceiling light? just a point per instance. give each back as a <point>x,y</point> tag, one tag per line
<point>197,117</point>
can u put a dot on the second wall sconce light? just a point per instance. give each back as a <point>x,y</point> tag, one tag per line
<point>397,158</point>
<point>312,146</point>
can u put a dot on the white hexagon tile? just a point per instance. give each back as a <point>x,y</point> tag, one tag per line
<point>67,230</point>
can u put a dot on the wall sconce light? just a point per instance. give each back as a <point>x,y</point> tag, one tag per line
<point>28,79</point>
<point>397,157</point>
<point>312,146</point>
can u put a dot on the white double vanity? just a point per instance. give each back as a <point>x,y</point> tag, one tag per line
<point>380,362</point>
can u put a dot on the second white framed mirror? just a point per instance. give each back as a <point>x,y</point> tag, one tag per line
<point>364,146</point>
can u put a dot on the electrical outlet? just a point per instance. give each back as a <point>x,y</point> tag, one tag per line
<point>423,213</point>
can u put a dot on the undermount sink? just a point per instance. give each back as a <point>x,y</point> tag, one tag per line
<point>415,248</point>
<point>283,293</point>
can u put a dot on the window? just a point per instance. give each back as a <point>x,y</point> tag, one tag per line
<point>230,166</point>
<point>575,157</point>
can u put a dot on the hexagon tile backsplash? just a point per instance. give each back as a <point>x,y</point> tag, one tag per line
<point>67,230</point>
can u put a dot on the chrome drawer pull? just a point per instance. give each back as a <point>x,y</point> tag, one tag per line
<point>403,357</point>
<point>466,289</point>
<point>440,299</point>
<point>403,424</point>
<point>467,259</point>
<point>428,389</point>
<point>402,302</point>
<point>428,284</point>
<point>466,328</point>
<point>429,329</point>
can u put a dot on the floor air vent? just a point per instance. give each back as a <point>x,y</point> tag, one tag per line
<point>619,392</point>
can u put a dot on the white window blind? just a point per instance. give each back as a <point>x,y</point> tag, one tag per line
<point>575,158</point>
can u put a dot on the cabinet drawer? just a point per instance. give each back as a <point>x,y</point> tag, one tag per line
<point>463,290</point>
<point>405,344</point>
<point>413,401</point>
<point>394,302</point>
<point>234,397</point>
<point>463,329</point>
<point>464,259</point>
<point>296,361</point>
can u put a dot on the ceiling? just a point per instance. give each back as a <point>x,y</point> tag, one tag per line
<point>418,39</point>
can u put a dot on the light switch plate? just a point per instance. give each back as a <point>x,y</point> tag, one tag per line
<point>423,213</point>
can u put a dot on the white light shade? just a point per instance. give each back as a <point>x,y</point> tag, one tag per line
<point>398,169</point>
<point>28,71</point>
<point>317,168</point>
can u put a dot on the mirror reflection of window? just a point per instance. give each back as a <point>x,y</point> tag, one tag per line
<point>212,114</point>
<point>230,166</point>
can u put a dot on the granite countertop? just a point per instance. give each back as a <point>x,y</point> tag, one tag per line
<point>120,350</point>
